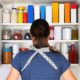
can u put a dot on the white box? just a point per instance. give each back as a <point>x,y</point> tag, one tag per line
<point>61,13</point>
<point>49,14</point>
<point>36,12</point>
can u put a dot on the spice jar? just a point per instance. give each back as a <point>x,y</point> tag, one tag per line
<point>27,35</point>
<point>6,56</point>
<point>6,34</point>
<point>51,36</point>
<point>17,35</point>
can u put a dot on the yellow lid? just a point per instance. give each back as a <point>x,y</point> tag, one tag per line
<point>21,8</point>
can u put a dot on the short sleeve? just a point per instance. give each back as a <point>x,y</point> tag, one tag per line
<point>65,64</point>
<point>16,62</point>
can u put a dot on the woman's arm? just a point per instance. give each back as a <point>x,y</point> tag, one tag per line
<point>68,75</point>
<point>13,75</point>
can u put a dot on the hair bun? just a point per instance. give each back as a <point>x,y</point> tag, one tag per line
<point>40,28</point>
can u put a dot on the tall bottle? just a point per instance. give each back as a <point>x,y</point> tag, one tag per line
<point>72,54</point>
<point>6,16</point>
<point>14,15</point>
<point>25,16</point>
<point>20,14</point>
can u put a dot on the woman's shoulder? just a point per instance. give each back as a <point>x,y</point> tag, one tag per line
<point>25,53</point>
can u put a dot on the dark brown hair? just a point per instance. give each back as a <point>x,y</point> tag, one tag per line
<point>40,31</point>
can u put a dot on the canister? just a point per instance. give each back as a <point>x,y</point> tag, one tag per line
<point>57,32</point>
<point>6,56</point>
<point>66,34</point>
<point>64,48</point>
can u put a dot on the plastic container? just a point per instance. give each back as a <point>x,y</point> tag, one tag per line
<point>20,14</point>
<point>66,34</point>
<point>6,56</point>
<point>6,16</point>
<point>25,16</point>
<point>14,15</point>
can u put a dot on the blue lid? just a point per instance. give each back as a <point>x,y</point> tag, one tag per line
<point>6,50</point>
<point>42,12</point>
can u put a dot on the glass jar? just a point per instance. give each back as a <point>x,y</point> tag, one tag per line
<point>51,36</point>
<point>17,35</point>
<point>14,15</point>
<point>6,56</point>
<point>6,16</point>
<point>6,34</point>
<point>27,35</point>
<point>74,34</point>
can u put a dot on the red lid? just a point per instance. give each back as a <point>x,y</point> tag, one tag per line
<point>51,27</point>
<point>23,49</point>
<point>73,6</point>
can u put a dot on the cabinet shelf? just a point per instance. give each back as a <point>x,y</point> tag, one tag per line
<point>29,24</point>
<point>50,41</point>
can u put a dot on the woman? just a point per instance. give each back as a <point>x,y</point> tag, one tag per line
<point>41,62</point>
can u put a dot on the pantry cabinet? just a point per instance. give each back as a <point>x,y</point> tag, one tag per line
<point>26,26</point>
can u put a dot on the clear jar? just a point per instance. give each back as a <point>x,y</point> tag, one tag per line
<point>27,35</point>
<point>6,34</point>
<point>17,35</point>
<point>14,15</point>
<point>6,16</point>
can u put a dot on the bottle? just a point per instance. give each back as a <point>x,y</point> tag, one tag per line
<point>25,16</point>
<point>73,13</point>
<point>72,54</point>
<point>14,15</point>
<point>6,16</point>
<point>20,14</point>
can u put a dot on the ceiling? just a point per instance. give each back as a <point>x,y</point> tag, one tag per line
<point>34,1</point>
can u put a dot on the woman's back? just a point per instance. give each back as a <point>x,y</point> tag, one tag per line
<point>39,68</point>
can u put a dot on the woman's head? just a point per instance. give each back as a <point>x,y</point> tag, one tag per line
<point>40,32</point>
